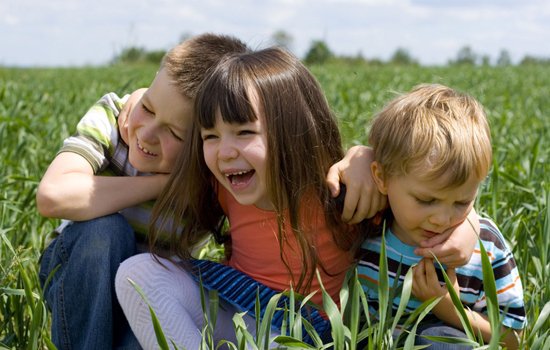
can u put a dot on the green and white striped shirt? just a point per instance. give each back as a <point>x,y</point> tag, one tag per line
<point>98,140</point>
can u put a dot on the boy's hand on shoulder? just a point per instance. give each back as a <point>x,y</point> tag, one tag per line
<point>126,111</point>
<point>362,200</point>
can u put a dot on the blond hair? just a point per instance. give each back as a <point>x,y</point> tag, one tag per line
<point>434,127</point>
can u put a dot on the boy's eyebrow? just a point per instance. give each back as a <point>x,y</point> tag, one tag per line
<point>430,195</point>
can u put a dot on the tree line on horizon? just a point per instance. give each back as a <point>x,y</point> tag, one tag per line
<point>320,53</point>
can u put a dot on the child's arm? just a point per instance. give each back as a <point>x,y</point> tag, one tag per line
<point>454,248</point>
<point>362,197</point>
<point>426,286</point>
<point>70,190</point>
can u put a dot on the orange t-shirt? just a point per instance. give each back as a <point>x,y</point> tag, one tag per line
<point>255,249</point>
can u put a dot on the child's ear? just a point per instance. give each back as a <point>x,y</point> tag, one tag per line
<point>378,177</point>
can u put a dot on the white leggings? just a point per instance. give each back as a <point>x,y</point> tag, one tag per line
<point>175,298</point>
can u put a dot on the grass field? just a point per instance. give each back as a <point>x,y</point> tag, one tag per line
<point>40,107</point>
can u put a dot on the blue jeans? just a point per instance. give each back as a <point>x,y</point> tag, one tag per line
<point>440,329</point>
<point>81,293</point>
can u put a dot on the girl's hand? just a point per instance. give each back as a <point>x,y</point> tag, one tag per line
<point>126,111</point>
<point>426,284</point>
<point>363,200</point>
<point>453,248</point>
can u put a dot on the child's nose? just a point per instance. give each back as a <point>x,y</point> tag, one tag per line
<point>441,218</point>
<point>227,150</point>
<point>150,133</point>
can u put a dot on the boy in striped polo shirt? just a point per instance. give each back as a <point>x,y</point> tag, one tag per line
<point>104,181</point>
<point>432,150</point>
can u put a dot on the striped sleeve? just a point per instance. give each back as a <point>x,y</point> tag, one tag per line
<point>508,282</point>
<point>96,136</point>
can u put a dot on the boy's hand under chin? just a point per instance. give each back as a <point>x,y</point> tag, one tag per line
<point>454,248</point>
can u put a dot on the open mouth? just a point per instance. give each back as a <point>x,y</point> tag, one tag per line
<point>240,178</point>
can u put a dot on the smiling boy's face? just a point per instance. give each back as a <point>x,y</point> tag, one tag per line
<point>157,125</point>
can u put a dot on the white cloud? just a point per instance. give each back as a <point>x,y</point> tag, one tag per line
<point>80,31</point>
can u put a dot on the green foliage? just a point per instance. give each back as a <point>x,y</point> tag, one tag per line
<point>403,57</point>
<point>133,55</point>
<point>318,53</point>
<point>40,107</point>
<point>465,56</point>
<point>531,61</point>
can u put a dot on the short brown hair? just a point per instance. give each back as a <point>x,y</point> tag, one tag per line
<point>189,62</point>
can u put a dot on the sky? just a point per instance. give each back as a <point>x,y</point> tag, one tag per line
<point>84,32</point>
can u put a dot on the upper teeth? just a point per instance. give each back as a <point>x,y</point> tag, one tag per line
<point>144,149</point>
<point>237,173</point>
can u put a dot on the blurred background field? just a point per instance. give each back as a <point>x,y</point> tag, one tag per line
<point>40,107</point>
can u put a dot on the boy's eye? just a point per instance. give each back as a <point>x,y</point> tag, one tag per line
<point>463,204</point>
<point>425,201</point>
<point>147,110</point>
<point>176,136</point>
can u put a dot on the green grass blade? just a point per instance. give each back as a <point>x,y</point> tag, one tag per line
<point>292,343</point>
<point>334,316</point>
<point>263,334</point>
<point>490,288</point>
<point>541,319</point>
<point>405,297</point>
<point>161,339</point>
<point>466,326</point>
<point>416,317</point>
<point>383,291</point>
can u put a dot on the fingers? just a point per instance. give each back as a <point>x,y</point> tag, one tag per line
<point>450,252</point>
<point>419,272</point>
<point>363,203</point>
<point>352,203</point>
<point>362,200</point>
<point>333,179</point>
<point>431,275</point>
<point>440,246</point>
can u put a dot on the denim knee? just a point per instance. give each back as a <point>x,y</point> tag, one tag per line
<point>440,330</point>
<point>107,234</point>
<point>88,243</point>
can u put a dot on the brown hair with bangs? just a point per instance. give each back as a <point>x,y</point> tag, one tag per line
<point>434,127</point>
<point>303,142</point>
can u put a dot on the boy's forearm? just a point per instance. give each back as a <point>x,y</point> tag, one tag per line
<point>81,197</point>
